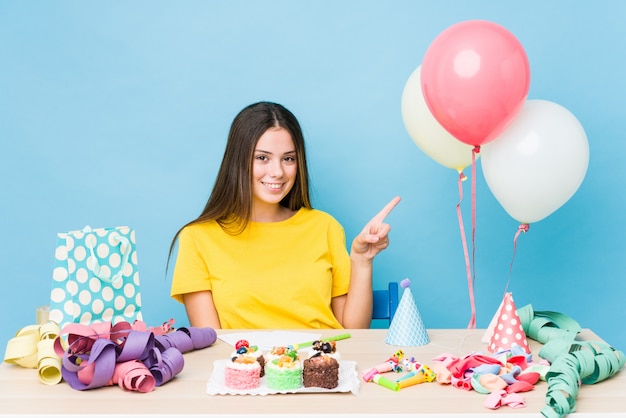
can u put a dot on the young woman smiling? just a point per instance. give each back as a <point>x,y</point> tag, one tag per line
<point>259,255</point>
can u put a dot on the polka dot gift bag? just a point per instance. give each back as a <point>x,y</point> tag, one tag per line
<point>95,277</point>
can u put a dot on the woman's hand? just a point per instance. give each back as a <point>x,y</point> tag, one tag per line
<point>355,309</point>
<point>374,238</point>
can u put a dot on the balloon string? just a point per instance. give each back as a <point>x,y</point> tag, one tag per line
<point>472,322</point>
<point>475,150</point>
<point>522,228</point>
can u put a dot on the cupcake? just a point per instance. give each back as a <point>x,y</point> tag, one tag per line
<point>277,352</point>
<point>243,372</point>
<point>328,348</point>
<point>321,369</point>
<point>243,347</point>
<point>283,369</point>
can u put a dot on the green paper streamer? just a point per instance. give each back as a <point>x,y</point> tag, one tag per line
<point>572,363</point>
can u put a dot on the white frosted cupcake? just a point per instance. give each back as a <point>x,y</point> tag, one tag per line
<point>242,347</point>
<point>328,348</point>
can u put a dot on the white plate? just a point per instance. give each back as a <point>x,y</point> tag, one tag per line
<point>348,382</point>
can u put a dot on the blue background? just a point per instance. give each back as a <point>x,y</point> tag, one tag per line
<point>116,113</point>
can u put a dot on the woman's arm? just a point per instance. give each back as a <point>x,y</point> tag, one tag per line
<point>355,310</point>
<point>201,309</point>
<point>358,303</point>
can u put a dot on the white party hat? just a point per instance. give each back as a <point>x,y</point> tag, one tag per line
<point>407,328</point>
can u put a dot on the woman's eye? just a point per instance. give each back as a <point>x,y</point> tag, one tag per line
<point>261,157</point>
<point>290,159</point>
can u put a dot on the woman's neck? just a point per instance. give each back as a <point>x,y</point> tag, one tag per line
<point>273,213</point>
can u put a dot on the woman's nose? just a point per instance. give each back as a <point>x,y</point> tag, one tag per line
<point>276,169</point>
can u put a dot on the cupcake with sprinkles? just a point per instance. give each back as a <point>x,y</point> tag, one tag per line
<point>243,347</point>
<point>283,369</point>
<point>277,352</point>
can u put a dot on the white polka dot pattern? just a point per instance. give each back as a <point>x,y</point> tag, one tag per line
<point>95,277</point>
<point>508,330</point>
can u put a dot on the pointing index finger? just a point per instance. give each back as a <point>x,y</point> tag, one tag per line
<point>380,216</point>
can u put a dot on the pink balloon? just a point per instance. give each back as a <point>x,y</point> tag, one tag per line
<point>475,79</point>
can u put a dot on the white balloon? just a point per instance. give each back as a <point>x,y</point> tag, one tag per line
<point>538,162</point>
<point>427,133</point>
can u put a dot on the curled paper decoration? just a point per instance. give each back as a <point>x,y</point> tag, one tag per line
<point>586,363</point>
<point>79,338</point>
<point>22,349</point>
<point>166,365</point>
<point>137,346</point>
<point>135,360</point>
<point>177,339</point>
<point>33,347</point>
<point>166,327</point>
<point>573,363</point>
<point>48,362</point>
<point>90,369</point>
<point>133,375</point>
<point>201,337</point>
<point>188,339</point>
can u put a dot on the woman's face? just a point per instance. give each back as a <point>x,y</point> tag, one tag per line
<point>274,167</point>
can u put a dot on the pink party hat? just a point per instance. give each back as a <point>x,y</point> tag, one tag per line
<point>407,328</point>
<point>489,332</point>
<point>508,329</point>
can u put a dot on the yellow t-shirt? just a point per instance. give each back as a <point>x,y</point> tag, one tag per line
<point>273,275</point>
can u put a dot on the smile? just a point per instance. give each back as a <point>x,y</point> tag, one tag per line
<point>273,186</point>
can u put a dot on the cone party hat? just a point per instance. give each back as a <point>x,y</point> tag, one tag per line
<point>508,329</point>
<point>489,332</point>
<point>407,328</point>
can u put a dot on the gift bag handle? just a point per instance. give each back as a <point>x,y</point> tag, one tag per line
<point>105,275</point>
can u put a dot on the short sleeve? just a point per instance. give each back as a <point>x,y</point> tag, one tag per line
<point>191,273</point>
<point>340,258</point>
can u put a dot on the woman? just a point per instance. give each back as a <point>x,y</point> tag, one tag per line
<point>259,255</point>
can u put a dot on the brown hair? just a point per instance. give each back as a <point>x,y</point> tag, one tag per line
<point>230,202</point>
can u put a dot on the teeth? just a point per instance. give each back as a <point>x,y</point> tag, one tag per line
<point>273,185</point>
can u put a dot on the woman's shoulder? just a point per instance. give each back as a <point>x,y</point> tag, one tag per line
<point>200,228</point>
